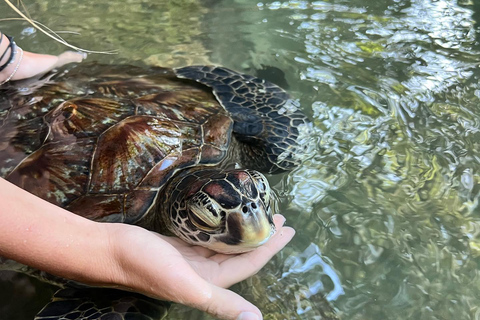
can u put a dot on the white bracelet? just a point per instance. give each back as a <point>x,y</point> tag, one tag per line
<point>16,68</point>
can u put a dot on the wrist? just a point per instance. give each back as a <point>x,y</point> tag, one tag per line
<point>115,275</point>
<point>11,57</point>
<point>128,269</point>
<point>120,261</point>
<point>4,48</point>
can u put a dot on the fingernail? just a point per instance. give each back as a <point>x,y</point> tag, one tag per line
<point>248,316</point>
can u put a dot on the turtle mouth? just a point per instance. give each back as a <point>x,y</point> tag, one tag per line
<point>272,232</point>
<point>248,229</point>
<point>230,244</point>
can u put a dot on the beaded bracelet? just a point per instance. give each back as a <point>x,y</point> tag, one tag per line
<point>16,68</point>
<point>4,52</point>
<point>12,53</point>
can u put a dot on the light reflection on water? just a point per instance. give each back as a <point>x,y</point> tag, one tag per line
<point>309,260</point>
<point>386,207</point>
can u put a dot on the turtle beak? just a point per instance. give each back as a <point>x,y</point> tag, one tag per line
<point>257,225</point>
<point>251,227</point>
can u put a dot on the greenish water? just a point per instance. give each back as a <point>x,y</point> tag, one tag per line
<point>386,207</point>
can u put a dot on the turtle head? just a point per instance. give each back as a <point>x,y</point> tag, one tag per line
<point>225,211</point>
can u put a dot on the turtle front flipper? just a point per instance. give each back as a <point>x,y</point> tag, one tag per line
<point>99,304</point>
<point>266,119</point>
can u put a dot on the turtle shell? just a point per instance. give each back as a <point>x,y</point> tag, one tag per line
<point>103,146</point>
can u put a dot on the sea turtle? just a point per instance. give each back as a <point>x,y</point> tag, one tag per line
<point>172,150</point>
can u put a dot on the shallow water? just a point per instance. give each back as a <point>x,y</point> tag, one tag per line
<point>386,206</point>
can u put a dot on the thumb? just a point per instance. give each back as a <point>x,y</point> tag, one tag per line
<point>227,305</point>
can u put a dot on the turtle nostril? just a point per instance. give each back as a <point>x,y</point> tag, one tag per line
<point>249,206</point>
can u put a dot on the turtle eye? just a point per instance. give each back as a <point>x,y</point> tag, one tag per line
<point>200,223</point>
<point>204,213</point>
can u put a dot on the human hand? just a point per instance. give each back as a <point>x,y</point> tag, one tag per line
<point>69,57</point>
<point>34,64</point>
<point>39,234</point>
<point>169,269</point>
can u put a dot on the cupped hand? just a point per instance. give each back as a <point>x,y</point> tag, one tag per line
<point>169,269</point>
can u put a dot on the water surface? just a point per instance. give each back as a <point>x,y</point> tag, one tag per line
<point>386,205</point>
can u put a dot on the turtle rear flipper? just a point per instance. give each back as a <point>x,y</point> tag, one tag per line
<point>100,304</point>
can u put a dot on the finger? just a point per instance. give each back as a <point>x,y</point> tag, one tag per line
<point>278,220</point>
<point>245,265</point>
<point>188,249</point>
<point>72,56</point>
<point>69,57</point>
<point>225,304</point>
<point>203,295</point>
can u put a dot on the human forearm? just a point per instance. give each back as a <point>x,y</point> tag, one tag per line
<point>39,234</point>
<point>26,64</point>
